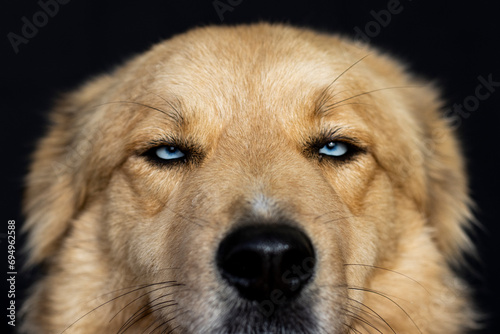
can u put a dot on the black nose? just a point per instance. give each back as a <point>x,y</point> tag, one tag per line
<point>259,259</point>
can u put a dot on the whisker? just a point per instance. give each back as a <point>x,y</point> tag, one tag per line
<point>167,321</point>
<point>111,300</point>
<point>150,310</point>
<point>172,330</point>
<point>345,104</point>
<point>323,96</point>
<point>341,215</point>
<point>178,114</point>
<point>156,271</point>
<point>171,115</point>
<point>373,311</point>
<point>324,214</point>
<point>351,329</point>
<point>150,325</point>
<point>389,270</point>
<point>328,108</point>
<point>148,307</point>
<point>360,319</point>
<point>334,220</point>
<point>206,222</point>
<point>145,294</point>
<point>158,319</point>
<point>388,298</point>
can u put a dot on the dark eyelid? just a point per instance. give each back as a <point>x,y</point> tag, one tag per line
<point>159,142</point>
<point>192,152</point>
<point>151,156</point>
<point>355,146</point>
<point>325,138</point>
<point>330,135</point>
<point>345,140</point>
<point>353,151</point>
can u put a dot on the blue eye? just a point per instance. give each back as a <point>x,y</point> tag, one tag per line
<point>334,149</point>
<point>168,153</point>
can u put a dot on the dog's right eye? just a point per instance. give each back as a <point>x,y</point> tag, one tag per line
<point>334,149</point>
<point>168,153</point>
<point>165,154</point>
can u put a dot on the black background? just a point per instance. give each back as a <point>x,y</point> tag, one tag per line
<point>451,42</point>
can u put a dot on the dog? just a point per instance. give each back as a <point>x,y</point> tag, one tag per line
<point>259,178</point>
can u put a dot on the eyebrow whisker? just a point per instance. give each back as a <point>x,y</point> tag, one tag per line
<point>369,92</point>
<point>323,96</point>
<point>175,116</point>
<point>178,114</point>
<point>335,104</point>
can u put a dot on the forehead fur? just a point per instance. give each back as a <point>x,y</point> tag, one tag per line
<point>220,78</point>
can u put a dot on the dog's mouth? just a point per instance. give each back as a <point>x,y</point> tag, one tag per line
<point>268,316</point>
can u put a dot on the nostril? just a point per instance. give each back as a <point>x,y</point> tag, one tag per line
<point>242,264</point>
<point>295,268</point>
<point>258,259</point>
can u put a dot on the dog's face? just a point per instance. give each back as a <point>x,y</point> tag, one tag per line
<point>248,180</point>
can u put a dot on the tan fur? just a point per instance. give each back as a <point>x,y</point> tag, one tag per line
<point>387,225</point>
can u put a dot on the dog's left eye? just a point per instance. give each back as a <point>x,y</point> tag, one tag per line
<point>168,153</point>
<point>334,149</point>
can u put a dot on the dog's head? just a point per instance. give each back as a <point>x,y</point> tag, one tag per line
<point>251,179</point>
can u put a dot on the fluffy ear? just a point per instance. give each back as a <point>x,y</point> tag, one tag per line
<point>448,202</point>
<point>55,189</point>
